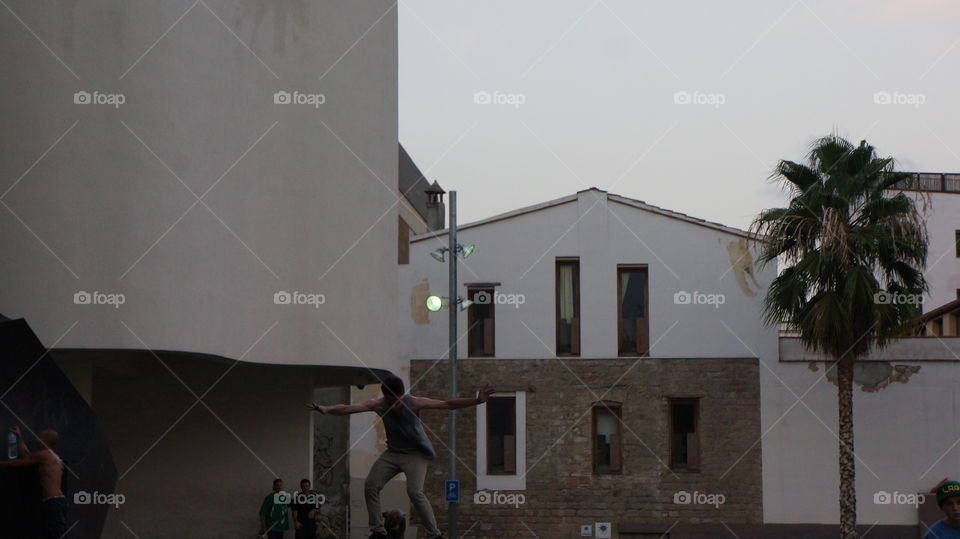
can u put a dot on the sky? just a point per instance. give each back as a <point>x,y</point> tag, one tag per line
<point>685,105</point>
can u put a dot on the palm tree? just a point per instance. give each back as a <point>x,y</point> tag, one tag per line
<point>852,251</point>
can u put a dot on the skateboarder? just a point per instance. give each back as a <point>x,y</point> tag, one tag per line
<point>408,449</point>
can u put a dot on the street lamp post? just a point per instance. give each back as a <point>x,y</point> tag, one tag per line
<point>452,418</point>
<point>455,303</point>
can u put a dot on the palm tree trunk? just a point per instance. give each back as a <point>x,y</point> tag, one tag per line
<point>848,492</point>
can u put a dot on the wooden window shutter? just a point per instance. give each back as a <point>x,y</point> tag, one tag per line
<point>639,337</point>
<point>575,335</point>
<point>510,454</point>
<point>693,451</point>
<point>615,457</point>
<point>596,451</point>
<point>488,336</point>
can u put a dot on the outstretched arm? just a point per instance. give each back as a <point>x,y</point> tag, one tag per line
<point>423,403</point>
<point>28,460</point>
<point>344,409</point>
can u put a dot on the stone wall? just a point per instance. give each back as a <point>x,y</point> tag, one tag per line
<point>561,492</point>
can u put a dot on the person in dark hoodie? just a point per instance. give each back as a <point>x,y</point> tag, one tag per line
<point>408,448</point>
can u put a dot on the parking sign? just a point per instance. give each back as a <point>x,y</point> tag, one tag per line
<point>452,490</point>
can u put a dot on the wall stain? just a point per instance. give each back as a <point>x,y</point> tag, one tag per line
<point>283,12</point>
<point>741,264</point>
<point>418,303</point>
<point>872,376</point>
<point>331,525</point>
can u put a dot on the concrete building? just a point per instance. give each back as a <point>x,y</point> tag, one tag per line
<point>200,217</point>
<point>625,345</point>
<point>939,195</point>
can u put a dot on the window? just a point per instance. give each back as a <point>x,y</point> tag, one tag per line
<point>632,303</point>
<point>606,439</point>
<point>568,307</point>
<point>684,434</point>
<point>403,242</point>
<point>480,323</point>
<point>956,241</point>
<point>501,427</point>
<point>502,436</point>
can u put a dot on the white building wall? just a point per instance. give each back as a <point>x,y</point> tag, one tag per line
<point>520,253</point>
<point>943,265</point>
<point>905,439</point>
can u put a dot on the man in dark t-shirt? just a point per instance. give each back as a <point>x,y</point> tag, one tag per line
<point>408,449</point>
<point>305,504</point>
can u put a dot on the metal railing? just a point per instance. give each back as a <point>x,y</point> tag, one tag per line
<point>930,181</point>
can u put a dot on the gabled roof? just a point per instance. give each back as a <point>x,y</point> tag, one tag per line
<point>626,201</point>
<point>948,307</point>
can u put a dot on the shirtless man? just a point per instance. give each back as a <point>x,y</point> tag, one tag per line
<point>50,470</point>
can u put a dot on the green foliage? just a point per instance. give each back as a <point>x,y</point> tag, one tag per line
<point>844,239</point>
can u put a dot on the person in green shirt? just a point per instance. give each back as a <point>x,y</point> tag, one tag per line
<point>273,512</point>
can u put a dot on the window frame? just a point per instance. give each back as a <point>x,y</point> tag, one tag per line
<point>616,465</point>
<point>507,468</point>
<point>575,330</point>
<point>518,481</point>
<point>696,465</point>
<point>644,269</point>
<point>471,292</point>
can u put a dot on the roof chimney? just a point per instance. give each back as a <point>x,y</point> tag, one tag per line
<point>435,206</point>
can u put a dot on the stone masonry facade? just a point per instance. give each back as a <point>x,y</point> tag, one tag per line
<point>562,493</point>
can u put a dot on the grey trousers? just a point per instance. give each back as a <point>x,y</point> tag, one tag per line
<point>414,466</point>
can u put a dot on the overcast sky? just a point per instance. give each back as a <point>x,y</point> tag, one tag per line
<point>583,93</point>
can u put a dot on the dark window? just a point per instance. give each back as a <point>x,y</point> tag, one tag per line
<point>502,436</point>
<point>632,305</point>
<point>480,321</point>
<point>403,242</point>
<point>568,307</point>
<point>606,439</point>
<point>684,434</point>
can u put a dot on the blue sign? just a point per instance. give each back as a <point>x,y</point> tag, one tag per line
<point>452,490</point>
